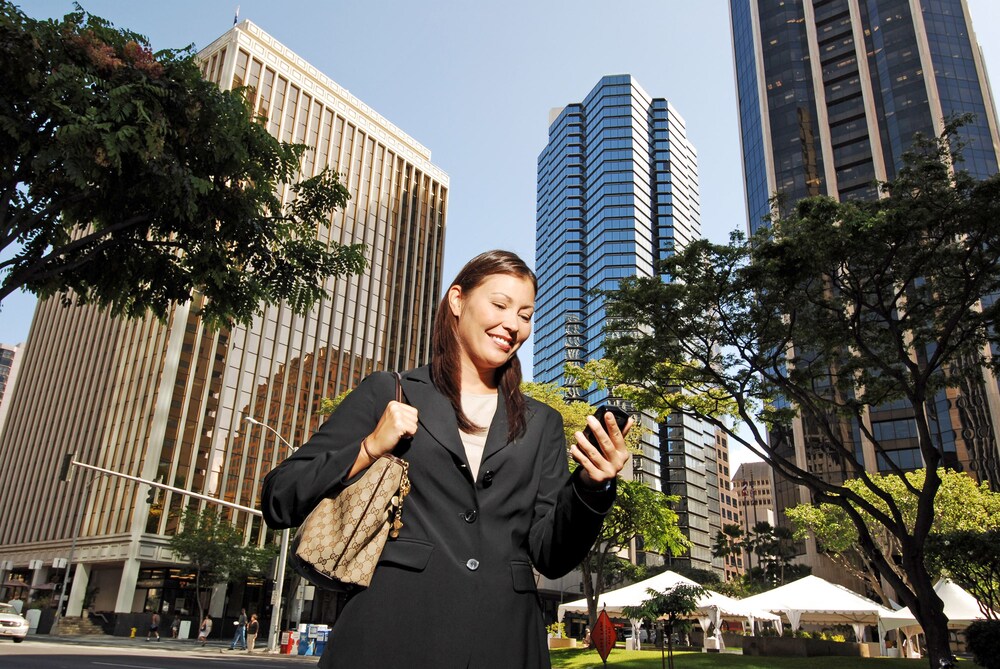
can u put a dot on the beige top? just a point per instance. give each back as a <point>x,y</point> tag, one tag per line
<point>480,410</point>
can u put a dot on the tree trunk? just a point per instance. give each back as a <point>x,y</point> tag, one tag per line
<point>929,612</point>
<point>588,592</point>
<point>670,645</point>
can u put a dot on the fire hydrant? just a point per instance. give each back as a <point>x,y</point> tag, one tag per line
<point>133,633</point>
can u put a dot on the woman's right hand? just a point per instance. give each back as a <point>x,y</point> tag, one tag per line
<point>398,421</point>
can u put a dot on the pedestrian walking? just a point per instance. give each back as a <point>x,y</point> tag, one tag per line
<point>240,636</point>
<point>154,626</point>
<point>175,627</point>
<point>205,629</point>
<point>492,494</point>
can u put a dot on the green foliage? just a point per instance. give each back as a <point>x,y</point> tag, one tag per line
<point>960,504</point>
<point>556,629</point>
<point>774,551</point>
<point>704,577</point>
<point>327,406</point>
<point>971,557</point>
<point>626,659</point>
<point>215,550</point>
<point>574,413</point>
<point>832,310</point>
<point>983,638</point>
<point>132,183</point>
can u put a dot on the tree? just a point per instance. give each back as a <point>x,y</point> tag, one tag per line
<point>130,182</point>
<point>834,309</point>
<point>972,559</point>
<point>639,511</point>
<point>215,549</point>
<point>773,547</point>
<point>574,413</point>
<point>960,505</point>
<point>983,638</point>
<point>676,603</point>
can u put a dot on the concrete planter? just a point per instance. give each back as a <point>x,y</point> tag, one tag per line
<point>555,642</point>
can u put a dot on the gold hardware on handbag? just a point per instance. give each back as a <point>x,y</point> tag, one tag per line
<point>342,538</point>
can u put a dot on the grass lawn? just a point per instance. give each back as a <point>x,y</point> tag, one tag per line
<point>576,658</point>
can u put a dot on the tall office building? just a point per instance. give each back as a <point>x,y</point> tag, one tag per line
<point>170,400</point>
<point>830,95</point>
<point>617,191</point>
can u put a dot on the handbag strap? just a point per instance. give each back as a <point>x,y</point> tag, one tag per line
<point>399,388</point>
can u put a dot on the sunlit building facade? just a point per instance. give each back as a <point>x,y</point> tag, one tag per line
<point>617,191</point>
<point>169,401</point>
<point>729,509</point>
<point>830,94</point>
<point>10,359</point>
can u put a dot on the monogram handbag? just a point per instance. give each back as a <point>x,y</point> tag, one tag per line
<point>342,538</point>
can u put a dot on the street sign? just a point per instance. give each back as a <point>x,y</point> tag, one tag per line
<point>604,636</point>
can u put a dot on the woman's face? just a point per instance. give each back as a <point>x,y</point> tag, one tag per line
<point>494,318</point>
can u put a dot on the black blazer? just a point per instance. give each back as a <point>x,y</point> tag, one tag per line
<point>456,589</point>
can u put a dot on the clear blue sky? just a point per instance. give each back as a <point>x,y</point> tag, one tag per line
<point>474,82</point>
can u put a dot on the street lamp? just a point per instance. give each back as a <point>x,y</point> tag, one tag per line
<point>72,547</point>
<point>272,638</point>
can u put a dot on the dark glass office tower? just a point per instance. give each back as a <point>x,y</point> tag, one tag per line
<point>617,190</point>
<point>830,94</point>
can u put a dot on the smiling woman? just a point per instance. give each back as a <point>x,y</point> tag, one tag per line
<point>491,493</point>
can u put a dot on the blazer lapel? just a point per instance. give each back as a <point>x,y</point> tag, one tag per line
<point>436,415</point>
<point>496,440</point>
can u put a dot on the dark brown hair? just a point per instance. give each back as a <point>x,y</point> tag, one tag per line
<point>445,348</point>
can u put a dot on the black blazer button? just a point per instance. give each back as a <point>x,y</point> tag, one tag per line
<point>488,478</point>
<point>470,515</point>
<point>472,564</point>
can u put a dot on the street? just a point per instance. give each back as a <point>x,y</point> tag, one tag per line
<point>135,654</point>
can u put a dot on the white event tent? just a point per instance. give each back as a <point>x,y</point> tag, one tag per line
<point>961,609</point>
<point>713,607</point>
<point>812,600</point>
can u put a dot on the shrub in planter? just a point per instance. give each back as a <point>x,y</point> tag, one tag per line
<point>983,639</point>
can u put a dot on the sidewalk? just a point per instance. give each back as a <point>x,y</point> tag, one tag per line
<point>191,646</point>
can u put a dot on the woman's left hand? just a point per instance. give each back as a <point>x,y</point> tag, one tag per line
<point>602,461</point>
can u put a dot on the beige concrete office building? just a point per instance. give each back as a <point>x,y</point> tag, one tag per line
<point>169,400</point>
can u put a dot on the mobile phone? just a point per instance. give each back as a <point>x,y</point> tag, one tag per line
<point>621,417</point>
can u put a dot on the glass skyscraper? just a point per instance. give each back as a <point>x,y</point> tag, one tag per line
<point>618,190</point>
<point>831,93</point>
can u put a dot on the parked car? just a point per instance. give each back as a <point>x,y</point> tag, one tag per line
<point>12,624</point>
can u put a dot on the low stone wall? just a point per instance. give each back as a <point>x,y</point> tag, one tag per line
<point>791,647</point>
